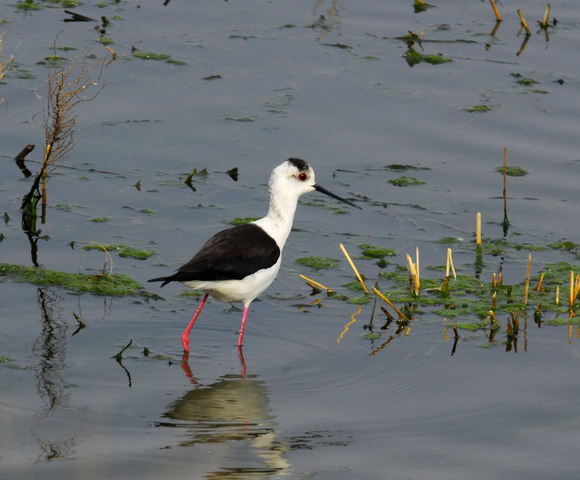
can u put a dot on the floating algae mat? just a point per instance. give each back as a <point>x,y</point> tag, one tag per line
<point>98,284</point>
<point>467,301</point>
<point>123,251</point>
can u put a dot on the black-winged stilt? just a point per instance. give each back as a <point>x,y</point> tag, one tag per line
<point>238,264</point>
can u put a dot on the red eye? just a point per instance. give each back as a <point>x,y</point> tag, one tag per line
<point>302,177</point>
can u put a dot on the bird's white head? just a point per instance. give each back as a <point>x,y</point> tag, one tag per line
<point>288,181</point>
<point>294,177</point>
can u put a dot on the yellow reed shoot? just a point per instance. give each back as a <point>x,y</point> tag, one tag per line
<point>527,285</point>
<point>478,229</point>
<point>359,278</point>
<point>574,288</point>
<point>450,264</point>
<point>572,284</point>
<point>544,23</point>
<point>314,284</point>
<point>414,275</point>
<point>557,301</point>
<point>540,281</point>
<point>524,23</point>
<point>495,10</point>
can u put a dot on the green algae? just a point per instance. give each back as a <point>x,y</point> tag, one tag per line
<point>564,245</point>
<point>124,251</point>
<point>318,263</point>
<point>513,171</point>
<point>115,285</point>
<point>413,57</point>
<point>151,56</point>
<point>478,109</point>
<point>405,181</point>
<point>373,251</point>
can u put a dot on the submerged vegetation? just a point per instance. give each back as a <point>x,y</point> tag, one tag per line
<point>405,181</point>
<point>78,283</point>
<point>318,263</point>
<point>124,251</point>
<point>413,57</point>
<point>513,171</point>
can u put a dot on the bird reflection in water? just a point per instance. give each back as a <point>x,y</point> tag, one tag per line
<point>234,408</point>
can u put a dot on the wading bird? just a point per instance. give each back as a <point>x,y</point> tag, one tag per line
<point>238,264</point>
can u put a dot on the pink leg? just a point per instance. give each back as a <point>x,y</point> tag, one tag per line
<point>185,334</point>
<point>242,361</point>
<point>243,326</point>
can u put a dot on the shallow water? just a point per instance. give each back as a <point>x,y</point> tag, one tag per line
<point>404,404</point>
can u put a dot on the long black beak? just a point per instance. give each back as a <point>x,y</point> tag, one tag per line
<point>320,189</point>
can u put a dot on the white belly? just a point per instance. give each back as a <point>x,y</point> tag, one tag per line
<point>244,290</point>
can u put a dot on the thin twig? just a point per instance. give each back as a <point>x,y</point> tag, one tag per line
<point>119,356</point>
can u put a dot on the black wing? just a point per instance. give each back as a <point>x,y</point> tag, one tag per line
<point>231,254</point>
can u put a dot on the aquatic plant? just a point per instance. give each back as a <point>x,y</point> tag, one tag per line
<point>413,57</point>
<point>405,181</point>
<point>317,263</point>
<point>124,251</point>
<point>478,109</point>
<point>67,87</point>
<point>78,283</point>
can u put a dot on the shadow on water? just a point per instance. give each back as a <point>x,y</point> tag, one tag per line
<point>50,349</point>
<point>235,408</point>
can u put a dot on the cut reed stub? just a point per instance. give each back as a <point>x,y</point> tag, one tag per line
<point>352,265</point>
<point>524,23</point>
<point>414,273</point>
<point>389,303</point>
<point>495,10</point>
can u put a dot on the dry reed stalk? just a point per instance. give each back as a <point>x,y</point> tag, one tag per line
<point>574,288</point>
<point>495,10</point>
<point>557,301</point>
<point>414,273</point>
<point>313,284</point>
<point>494,280</point>
<point>449,264</point>
<point>387,313</point>
<point>540,281</point>
<point>4,62</point>
<point>527,284</point>
<point>544,22</point>
<point>571,289</point>
<point>478,228</point>
<point>494,301</point>
<point>389,303</point>
<point>358,276</point>
<point>500,279</point>
<point>524,23</point>
<point>493,318</point>
<point>417,264</point>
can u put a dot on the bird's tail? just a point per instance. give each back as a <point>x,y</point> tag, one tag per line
<point>165,280</point>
